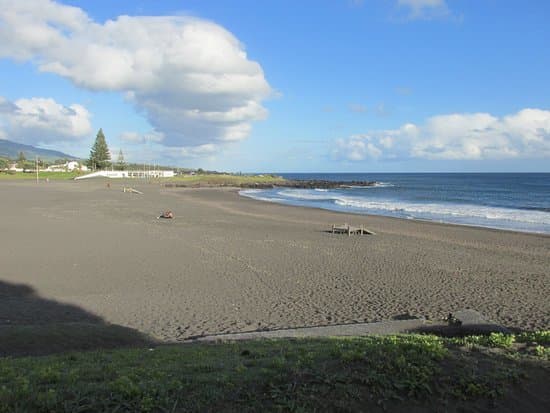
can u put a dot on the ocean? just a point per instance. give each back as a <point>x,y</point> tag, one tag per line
<point>510,201</point>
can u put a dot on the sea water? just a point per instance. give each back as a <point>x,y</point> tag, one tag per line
<point>519,202</point>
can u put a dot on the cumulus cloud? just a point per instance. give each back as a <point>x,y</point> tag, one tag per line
<point>475,136</point>
<point>43,120</point>
<point>190,77</point>
<point>207,150</point>
<point>134,137</point>
<point>424,9</point>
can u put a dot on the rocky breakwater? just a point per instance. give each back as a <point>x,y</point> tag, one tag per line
<point>308,184</point>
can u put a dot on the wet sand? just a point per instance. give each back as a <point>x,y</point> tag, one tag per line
<point>230,264</point>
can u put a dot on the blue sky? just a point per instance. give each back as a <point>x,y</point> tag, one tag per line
<point>373,85</point>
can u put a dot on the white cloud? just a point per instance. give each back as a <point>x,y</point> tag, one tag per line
<point>476,136</point>
<point>190,77</point>
<point>43,120</point>
<point>424,9</point>
<point>136,138</point>
<point>357,148</point>
<point>207,151</point>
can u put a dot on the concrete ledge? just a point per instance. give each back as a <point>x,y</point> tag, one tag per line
<point>361,329</point>
<point>473,322</point>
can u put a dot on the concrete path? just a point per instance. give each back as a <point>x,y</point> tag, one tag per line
<point>360,329</point>
<point>472,321</point>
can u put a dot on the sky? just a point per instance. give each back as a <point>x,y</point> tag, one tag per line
<point>282,85</point>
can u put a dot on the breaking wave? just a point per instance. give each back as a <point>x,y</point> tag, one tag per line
<point>465,214</point>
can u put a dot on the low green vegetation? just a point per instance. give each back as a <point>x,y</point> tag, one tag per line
<point>41,175</point>
<point>4,163</point>
<point>225,180</point>
<point>179,180</point>
<point>332,374</point>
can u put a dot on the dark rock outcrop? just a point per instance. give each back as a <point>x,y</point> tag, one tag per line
<point>310,184</point>
<point>290,183</point>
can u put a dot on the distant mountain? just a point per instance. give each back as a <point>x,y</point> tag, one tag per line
<point>9,149</point>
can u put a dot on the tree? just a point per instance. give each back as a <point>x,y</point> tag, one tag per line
<point>120,163</point>
<point>21,159</point>
<point>27,165</point>
<point>4,163</point>
<point>100,157</point>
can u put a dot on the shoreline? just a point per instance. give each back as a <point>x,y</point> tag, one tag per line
<point>351,212</point>
<point>427,221</point>
<point>229,264</point>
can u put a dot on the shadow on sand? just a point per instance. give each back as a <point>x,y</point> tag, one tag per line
<point>32,325</point>
<point>463,331</point>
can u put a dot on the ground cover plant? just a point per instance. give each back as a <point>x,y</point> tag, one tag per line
<point>42,176</point>
<point>225,180</point>
<point>331,374</point>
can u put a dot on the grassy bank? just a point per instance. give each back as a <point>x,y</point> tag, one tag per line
<point>333,374</point>
<point>224,180</point>
<point>183,180</point>
<point>41,175</point>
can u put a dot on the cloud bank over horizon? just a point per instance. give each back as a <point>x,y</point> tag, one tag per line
<point>189,77</point>
<point>470,136</point>
<point>43,121</point>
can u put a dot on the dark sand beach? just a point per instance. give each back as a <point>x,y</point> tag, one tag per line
<point>230,264</point>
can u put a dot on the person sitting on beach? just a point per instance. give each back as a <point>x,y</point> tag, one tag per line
<point>166,214</point>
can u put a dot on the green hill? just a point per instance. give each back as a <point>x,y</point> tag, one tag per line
<point>9,149</point>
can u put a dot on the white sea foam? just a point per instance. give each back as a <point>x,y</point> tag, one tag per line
<point>441,210</point>
<point>445,212</point>
<point>375,185</point>
<point>255,194</point>
<point>305,194</point>
<point>383,184</point>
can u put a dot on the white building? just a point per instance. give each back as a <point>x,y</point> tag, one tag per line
<point>67,166</point>
<point>128,174</point>
<point>13,167</point>
<point>72,165</point>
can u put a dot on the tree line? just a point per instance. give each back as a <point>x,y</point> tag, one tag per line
<point>100,158</point>
<point>28,164</point>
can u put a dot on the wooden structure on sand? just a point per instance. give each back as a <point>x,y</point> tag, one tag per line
<point>132,190</point>
<point>348,229</point>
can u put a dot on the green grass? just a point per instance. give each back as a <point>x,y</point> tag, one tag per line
<point>227,180</point>
<point>41,175</point>
<point>185,180</point>
<point>332,374</point>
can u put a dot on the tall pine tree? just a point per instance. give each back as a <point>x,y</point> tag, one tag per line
<point>120,163</point>
<point>21,159</point>
<point>100,157</point>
